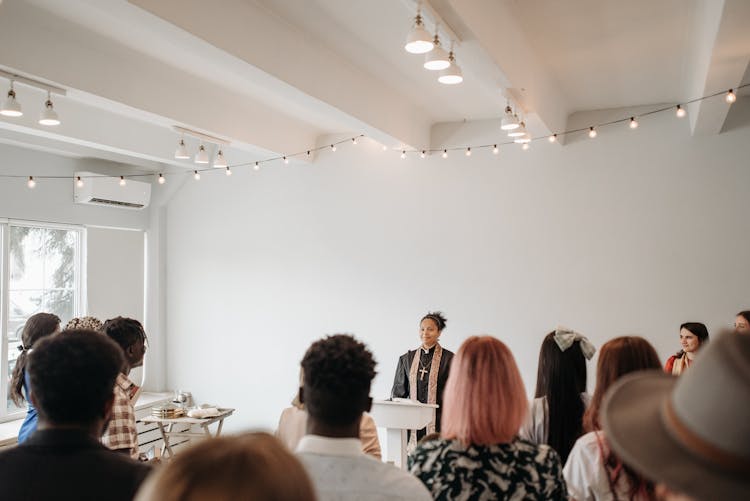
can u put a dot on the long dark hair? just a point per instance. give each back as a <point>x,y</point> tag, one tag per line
<point>698,329</point>
<point>37,327</point>
<point>618,357</point>
<point>561,378</point>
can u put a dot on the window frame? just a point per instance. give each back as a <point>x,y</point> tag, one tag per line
<point>79,294</point>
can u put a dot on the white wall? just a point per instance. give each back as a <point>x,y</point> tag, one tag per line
<point>634,232</point>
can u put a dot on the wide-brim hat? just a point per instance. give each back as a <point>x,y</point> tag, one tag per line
<point>690,432</point>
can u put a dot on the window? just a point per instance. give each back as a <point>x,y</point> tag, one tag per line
<point>41,272</point>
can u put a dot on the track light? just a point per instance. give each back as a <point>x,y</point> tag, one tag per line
<point>731,96</point>
<point>592,132</point>
<point>228,172</point>
<point>680,111</point>
<point>423,154</point>
<point>256,166</point>
<point>31,183</point>
<point>122,181</point>
<point>552,138</point>
<point>196,175</point>
<point>286,160</point>
<point>519,131</point>
<point>452,74</point>
<point>495,149</point>
<point>181,153</point>
<point>162,179</point>
<point>220,161</point>
<point>333,147</point>
<point>510,121</point>
<point>418,41</point>
<point>201,157</point>
<point>468,152</point>
<point>49,115</point>
<point>445,154</point>
<point>403,155</point>
<point>79,182</point>
<point>354,141</point>
<point>11,107</point>
<point>437,58</point>
<point>633,123</point>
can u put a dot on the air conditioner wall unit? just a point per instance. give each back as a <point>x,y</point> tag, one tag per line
<point>99,189</point>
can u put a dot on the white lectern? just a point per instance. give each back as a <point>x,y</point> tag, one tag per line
<point>398,417</point>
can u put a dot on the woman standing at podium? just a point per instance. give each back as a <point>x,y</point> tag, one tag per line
<point>421,374</point>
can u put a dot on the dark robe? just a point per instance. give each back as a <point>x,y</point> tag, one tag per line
<point>401,381</point>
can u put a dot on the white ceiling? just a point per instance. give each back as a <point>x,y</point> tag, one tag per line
<point>277,76</point>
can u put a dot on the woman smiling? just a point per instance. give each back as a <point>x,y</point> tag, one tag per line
<point>692,336</point>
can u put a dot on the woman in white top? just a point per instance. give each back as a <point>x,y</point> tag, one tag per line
<point>592,471</point>
<point>556,414</point>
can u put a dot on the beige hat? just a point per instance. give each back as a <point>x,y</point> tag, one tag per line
<point>693,432</point>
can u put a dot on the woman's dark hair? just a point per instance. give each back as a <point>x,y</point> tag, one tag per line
<point>37,327</point>
<point>437,317</point>
<point>561,378</point>
<point>745,314</point>
<point>698,329</point>
<point>618,357</point>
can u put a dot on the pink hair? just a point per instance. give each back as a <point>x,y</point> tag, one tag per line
<point>485,399</point>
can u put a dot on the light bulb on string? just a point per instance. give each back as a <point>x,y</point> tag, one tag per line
<point>196,175</point>
<point>333,147</point>
<point>162,179</point>
<point>525,146</point>
<point>633,123</point>
<point>552,138</point>
<point>445,154</point>
<point>31,183</point>
<point>122,181</point>
<point>228,171</point>
<point>423,154</point>
<point>286,160</point>
<point>79,182</point>
<point>731,96</point>
<point>468,152</point>
<point>680,111</point>
<point>256,166</point>
<point>403,155</point>
<point>495,149</point>
<point>354,141</point>
<point>592,132</point>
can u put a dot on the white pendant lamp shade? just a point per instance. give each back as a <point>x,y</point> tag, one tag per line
<point>437,59</point>
<point>201,157</point>
<point>523,139</point>
<point>519,131</point>
<point>49,115</point>
<point>181,153</point>
<point>510,121</point>
<point>11,107</point>
<point>220,161</point>
<point>419,41</point>
<point>452,74</point>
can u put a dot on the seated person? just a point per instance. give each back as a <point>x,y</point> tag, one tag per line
<point>293,423</point>
<point>121,435</point>
<point>71,377</point>
<point>338,372</point>
<point>251,466</point>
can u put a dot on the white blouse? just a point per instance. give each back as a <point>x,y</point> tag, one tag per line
<point>535,427</point>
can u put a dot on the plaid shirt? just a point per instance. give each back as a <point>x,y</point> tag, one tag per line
<point>121,432</point>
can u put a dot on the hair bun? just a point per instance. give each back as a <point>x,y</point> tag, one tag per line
<point>438,318</point>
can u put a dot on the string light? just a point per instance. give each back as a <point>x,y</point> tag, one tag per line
<point>423,154</point>
<point>162,179</point>
<point>286,160</point>
<point>354,140</point>
<point>592,133</point>
<point>333,147</point>
<point>31,183</point>
<point>731,96</point>
<point>79,182</point>
<point>403,154</point>
<point>525,146</point>
<point>680,111</point>
<point>196,175</point>
<point>122,181</point>
<point>468,151</point>
<point>552,138</point>
<point>228,171</point>
<point>495,150</point>
<point>633,123</point>
<point>256,166</point>
<point>445,154</point>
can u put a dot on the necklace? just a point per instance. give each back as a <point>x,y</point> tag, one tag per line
<point>422,371</point>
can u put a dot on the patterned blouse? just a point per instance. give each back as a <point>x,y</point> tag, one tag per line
<point>517,470</point>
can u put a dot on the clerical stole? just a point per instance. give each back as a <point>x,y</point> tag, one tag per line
<point>432,376</point>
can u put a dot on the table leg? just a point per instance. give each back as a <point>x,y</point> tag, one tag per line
<point>221,425</point>
<point>166,448</point>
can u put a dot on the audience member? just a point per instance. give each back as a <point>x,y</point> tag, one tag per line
<point>692,434</point>
<point>36,328</point>
<point>71,378</point>
<point>742,322</point>
<point>121,434</point>
<point>293,426</point>
<point>88,323</point>
<point>480,456</point>
<point>556,414</point>
<point>693,335</point>
<point>338,372</point>
<point>254,466</point>
<point>592,471</point>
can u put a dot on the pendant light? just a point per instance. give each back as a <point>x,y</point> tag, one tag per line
<point>181,153</point>
<point>220,161</point>
<point>452,74</point>
<point>11,107</point>
<point>201,157</point>
<point>510,121</point>
<point>519,131</point>
<point>49,115</point>
<point>419,40</point>
<point>437,59</point>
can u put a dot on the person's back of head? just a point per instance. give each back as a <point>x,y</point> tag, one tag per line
<point>72,376</point>
<point>485,399</point>
<point>337,374</point>
<point>36,328</point>
<point>88,323</point>
<point>561,379</point>
<point>129,334</point>
<point>251,466</point>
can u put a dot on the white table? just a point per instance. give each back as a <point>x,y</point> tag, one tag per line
<point>166,426</point>
<point>397,417</point>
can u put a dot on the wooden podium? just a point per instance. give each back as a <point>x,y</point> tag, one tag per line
<point>397,417</point>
